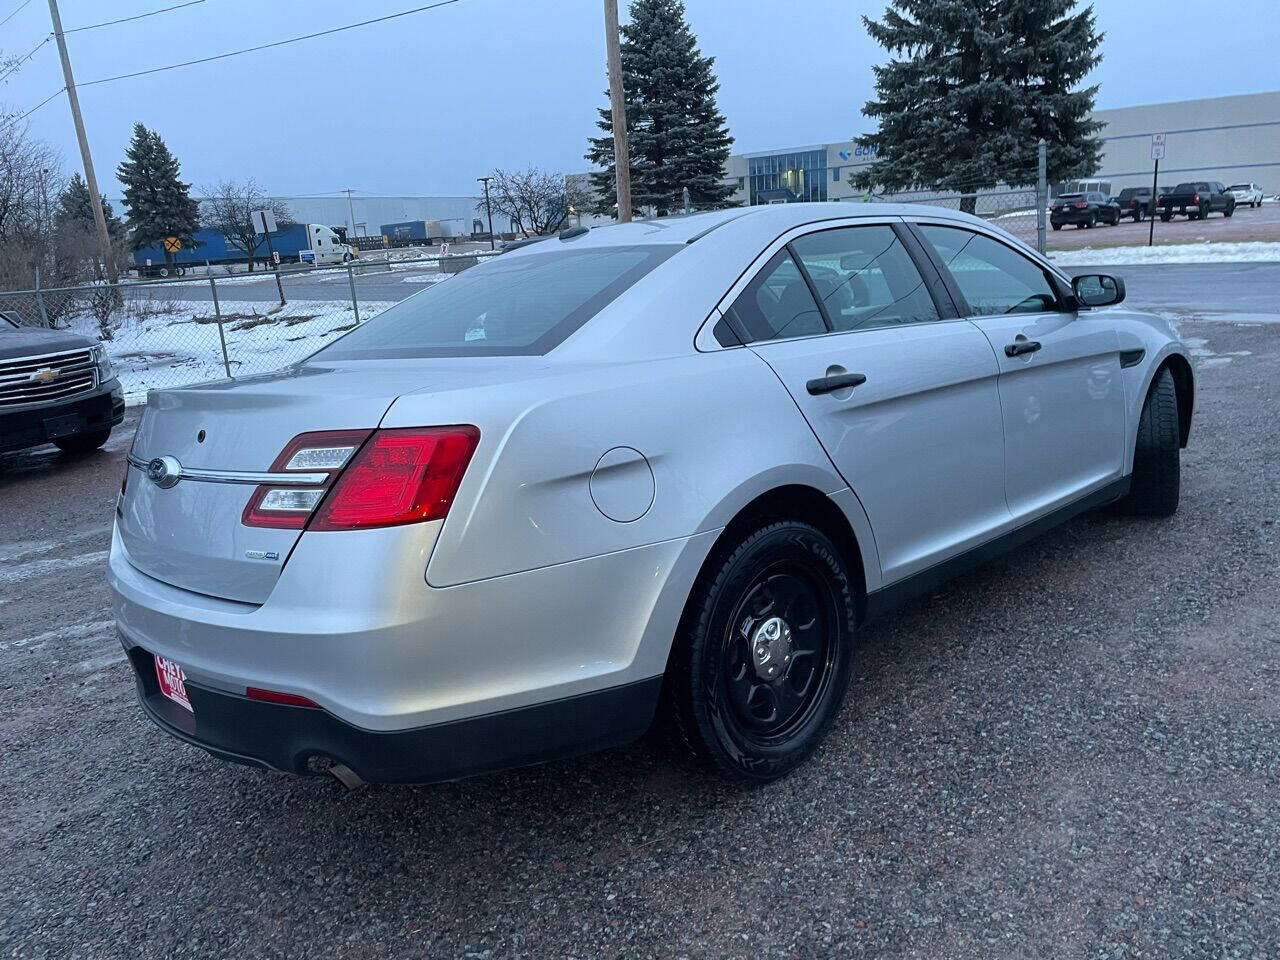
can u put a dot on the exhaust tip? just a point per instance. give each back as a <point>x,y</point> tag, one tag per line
<point>320,764</point>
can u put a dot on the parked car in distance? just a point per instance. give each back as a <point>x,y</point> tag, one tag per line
<point>665,468</point>
<point>55,387</point>
<point>1249,193</point>
<point>1083,209</point>
<point>1135,202</point>
<point>1197,199</point>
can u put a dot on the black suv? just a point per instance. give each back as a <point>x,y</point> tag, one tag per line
<point>55,387</point>
<point>1084,210</point>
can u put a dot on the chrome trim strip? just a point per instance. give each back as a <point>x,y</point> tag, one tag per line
<point>69,352</point>
<point>242,476</point>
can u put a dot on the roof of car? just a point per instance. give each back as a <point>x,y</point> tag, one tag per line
<point>688,228</point>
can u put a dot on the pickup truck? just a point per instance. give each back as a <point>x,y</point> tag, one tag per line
<point>55,387</point>
<point>1197,199</point>
<point>1135,202</point>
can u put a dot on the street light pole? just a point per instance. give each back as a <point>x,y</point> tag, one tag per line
<point>91,179</point>
<point>351,212</point>
<point>618,110</point>
<point>487,208</point>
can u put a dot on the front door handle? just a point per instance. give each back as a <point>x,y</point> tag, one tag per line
<point>840,381</point>
<point>1019,347</point>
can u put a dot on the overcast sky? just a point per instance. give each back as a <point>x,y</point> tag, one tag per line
<point>423,104</point>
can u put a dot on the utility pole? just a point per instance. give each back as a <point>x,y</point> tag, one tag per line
<point>487,208</point>
<point>351,211</point>
<point>91,179</point>
<point>618,108</point>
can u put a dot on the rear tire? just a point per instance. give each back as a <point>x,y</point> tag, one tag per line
<point>83,442</point>
<point>1156,481</point>
<point>778,598</point>
<point>1231,209</point>
<point>1057,226</point>
<point>1138,216</point>
<point>1166,217</point>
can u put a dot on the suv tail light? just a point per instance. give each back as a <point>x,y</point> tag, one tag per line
<point>1196,198</point>
<point>375,478</point>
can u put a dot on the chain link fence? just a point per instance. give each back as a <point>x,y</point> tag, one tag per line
<point>169,333</point>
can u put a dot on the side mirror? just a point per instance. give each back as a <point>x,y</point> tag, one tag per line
<point>1097,290</point>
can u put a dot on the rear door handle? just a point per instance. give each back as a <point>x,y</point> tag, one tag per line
<point>1020,347</point>
<point>841,381</point>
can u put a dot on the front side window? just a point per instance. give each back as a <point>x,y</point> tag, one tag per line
<point>511,306</point>
<point>994,278</point>
<point>777,303</point>
<point>865,277</point>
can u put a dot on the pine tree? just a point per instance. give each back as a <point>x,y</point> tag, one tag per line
<point>74,213</point>
<point>977,85</point>
<point>676,135</point>
<point>157,203</point>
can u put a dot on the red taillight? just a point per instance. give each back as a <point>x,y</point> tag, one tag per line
<point>1196,198</point>
<point>264,508</point>
<point>275,696</point>
<point>1081,205</point>
<point>399,476</point>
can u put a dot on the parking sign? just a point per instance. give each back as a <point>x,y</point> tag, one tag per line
<point>1157,146</point>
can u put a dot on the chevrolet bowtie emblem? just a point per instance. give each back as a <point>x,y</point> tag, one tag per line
<point>46,375</point>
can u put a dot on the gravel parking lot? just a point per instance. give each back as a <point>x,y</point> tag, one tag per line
<point>1073,752</point>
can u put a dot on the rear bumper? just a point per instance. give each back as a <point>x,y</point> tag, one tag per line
<point>31,425</point>
<point>289,738</point>
<point>1074,216</point>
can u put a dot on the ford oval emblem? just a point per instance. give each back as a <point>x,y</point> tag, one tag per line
<point>164,472</point>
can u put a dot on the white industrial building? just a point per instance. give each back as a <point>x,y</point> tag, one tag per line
<point>1232,139</point>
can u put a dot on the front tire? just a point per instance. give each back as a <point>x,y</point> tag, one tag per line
<point>1230,210</point>
<point>83,442</point>
<point>1155,486</point>
<point>760,666</point>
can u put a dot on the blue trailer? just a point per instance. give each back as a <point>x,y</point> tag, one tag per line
<point>297,243</point>
<point>412,232</point>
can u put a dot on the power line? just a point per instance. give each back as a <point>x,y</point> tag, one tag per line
<point>19,119</point>
<point>140,16</point>
<point>21,60</point>
<point>14,13</point>
<point>268,46</point>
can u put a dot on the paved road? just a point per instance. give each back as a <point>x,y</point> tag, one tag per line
<point>1073,752</point>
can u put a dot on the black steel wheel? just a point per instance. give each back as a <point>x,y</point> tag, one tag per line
<point>762,661</point>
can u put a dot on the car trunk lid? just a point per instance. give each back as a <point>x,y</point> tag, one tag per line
<point>191,534</point>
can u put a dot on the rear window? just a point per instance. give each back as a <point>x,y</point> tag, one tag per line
<point>1128,192</point>
<point>1185,188</point>
<point>508,307</point>
<point>1071,196</point>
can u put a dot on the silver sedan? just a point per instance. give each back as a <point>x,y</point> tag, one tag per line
<point>665,470</point>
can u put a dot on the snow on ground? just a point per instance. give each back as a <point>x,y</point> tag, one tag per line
<point>1255,251</point>
<point>168,343</point>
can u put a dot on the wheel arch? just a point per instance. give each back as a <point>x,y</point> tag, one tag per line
<point>1184,385</point>
<point>799,501</point>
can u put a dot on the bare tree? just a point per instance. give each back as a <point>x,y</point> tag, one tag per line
<point>29,174</point>
<point>535,201</point>
<point>228,208</point>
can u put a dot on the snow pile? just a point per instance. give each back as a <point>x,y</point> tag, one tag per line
<point>1250,252</point>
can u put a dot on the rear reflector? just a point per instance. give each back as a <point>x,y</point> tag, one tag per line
<point>399,476</point>
<point>274,696</point>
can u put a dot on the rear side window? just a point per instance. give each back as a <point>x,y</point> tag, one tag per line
<point>865,277</point>
<point>994,278</point>
<point>778,304</point>
<point>512,306</point>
